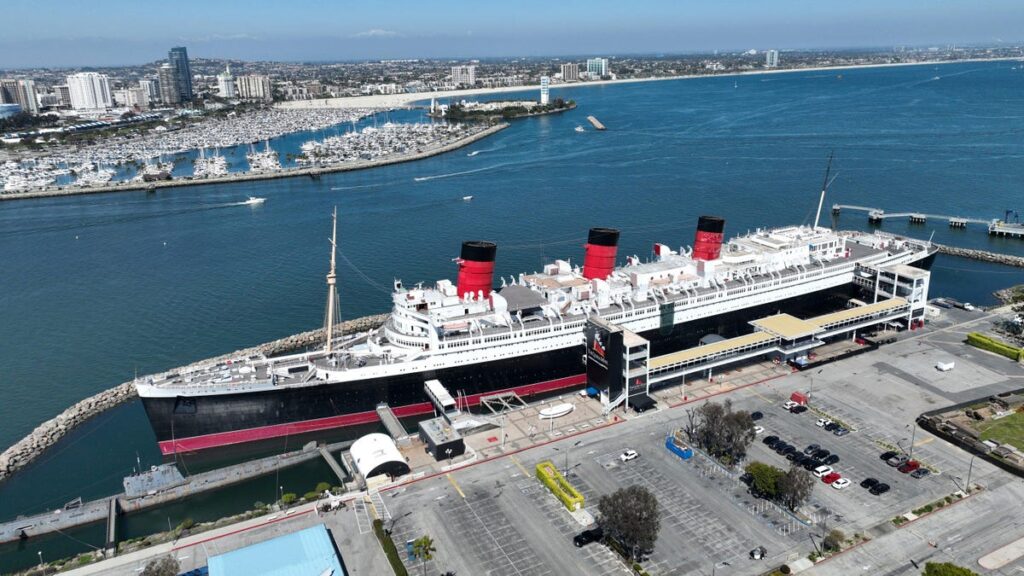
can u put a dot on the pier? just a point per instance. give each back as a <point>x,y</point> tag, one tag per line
<point>595,123</point>
<point>877,216</point>
<point>394,427</point>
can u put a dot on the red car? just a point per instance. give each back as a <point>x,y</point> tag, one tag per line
<point>909,466</point>
<point>831,477</point>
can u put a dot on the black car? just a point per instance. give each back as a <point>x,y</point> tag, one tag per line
<point>830,460</point>
<point>798,409</point>
<point>812,449</point>
<point>821,453</point>
<point>588,536</point>
<point>747,478</point>
<point>811,464</point>
<point>792,456</point>
<point>831,426</point>
<point>801,459</point>
<point>755,416</point>
<point>780,447</point>
<point>879,489</point>
<point>770,441</point>
<point>868,483</point>
<point>887,455</point>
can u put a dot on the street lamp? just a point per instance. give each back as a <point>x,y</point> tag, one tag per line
<point>716,565</point>
<point>913,434</point>
<point>565,469</point>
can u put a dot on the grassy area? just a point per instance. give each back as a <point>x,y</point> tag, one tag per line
<point>1006,430</point>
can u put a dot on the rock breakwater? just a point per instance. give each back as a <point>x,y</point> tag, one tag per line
<point>50,432</point>
<point>982,255</point>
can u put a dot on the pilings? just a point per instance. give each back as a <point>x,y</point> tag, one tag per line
<point>50,432</point>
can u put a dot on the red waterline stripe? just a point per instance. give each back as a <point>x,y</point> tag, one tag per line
<point>168,447</point>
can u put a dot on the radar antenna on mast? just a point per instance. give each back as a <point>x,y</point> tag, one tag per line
<point>824,186</point>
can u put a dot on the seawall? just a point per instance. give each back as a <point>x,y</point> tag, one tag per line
<point>51,431</point>
<point>982,255</point>
<point>312,172</point>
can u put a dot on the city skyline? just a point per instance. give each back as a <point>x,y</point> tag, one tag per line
<point>314,31</point>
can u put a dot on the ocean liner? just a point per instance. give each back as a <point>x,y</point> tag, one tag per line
<point>526,336</point>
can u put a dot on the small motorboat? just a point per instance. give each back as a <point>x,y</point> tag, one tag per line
<point>556,411</point>
<point>581,129</point>
<point>467,198</point>
<point>253,200</point>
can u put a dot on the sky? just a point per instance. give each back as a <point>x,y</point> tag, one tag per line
<point>114,32</point>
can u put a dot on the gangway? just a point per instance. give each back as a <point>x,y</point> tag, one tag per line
<point>391,422</point>
<point>503,402</point>
<point>112,524</point>
<point>337,468</point>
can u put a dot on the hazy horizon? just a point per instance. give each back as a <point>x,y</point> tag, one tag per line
<point>125,33</point>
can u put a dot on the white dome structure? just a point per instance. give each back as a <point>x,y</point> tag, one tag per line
<point>376,454</point>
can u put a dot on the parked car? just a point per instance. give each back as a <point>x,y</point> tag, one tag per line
<point>628,455</point>
<point>811,464</point>
<point>831,460</point>
<point>821,471</point>
<point>840,431</point>
<point>909,466</point>
<point>821,453</point>
<point>841,483</point>
<point>770,441</point>
<point>758,430</point>
<point>897,460</point>
<point>886,455</point>
<point>831,427</point>
<point>747,478</point>
<point>868,483</point>
<point>758,553</point>
<point>798,409</point>
<point>879,489</point>
<point>755,416</point>
<point>792,456</point>
<point>831,477</point>
<point>811,449</point>
<point>789,405</point>
<point>920,473</point>
<point>822,422</point>
<point>588,536</point>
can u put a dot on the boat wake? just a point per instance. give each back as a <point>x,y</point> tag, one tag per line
<point>473,153</point>
<point>453,174</point>
<point>335,188</point>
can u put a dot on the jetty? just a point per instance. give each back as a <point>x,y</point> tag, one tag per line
<point>1009,226</point>
<point>596,123</point>
<point>162,484</point>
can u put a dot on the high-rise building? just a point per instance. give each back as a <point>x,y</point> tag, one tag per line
<point>89,91</point>
<point>169,94</point>
<point>226,83</point>
<point>63,96</point>
<point>131,97</point>
<point>178,58</point>
<point>151,86</point>
<point>597,67</point>
<point>21,92</point>
<point>464,75</point>
<point>545,89</point>
<point>47,100</point>
<point>571,72</point>
<point>772,59</point>
<point>254,87</point>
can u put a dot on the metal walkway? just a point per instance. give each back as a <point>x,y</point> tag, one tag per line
<point>394,427</point>
<point>333,463</point>
<point>877,215</point>
<point>112,524</point>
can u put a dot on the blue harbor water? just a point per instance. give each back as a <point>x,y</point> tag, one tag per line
<point>96,288</point>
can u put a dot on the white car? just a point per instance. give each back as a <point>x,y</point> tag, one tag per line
<point>822,471</point>
<point>628,455</point>
<point>841,483</point>
<point>822,422</point>
<point>789,405</point>
<point>758,430</point>
<point>968,306</point>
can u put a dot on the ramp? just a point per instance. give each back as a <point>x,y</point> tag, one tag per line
<point>391,423</point>
<point>333,463</point>
<point>112,524</point>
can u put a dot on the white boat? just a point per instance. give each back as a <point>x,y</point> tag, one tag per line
<point>556,411</point>
<point>252,201</point>
<point>467,198</point>
<point>581,129</point>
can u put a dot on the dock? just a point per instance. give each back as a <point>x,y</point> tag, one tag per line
<point>877,216</point>
<point>595,123</point>
<point>77,513</point>
<point>391,423</point>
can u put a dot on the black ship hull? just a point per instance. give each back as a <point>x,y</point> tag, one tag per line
<point>195,423</point>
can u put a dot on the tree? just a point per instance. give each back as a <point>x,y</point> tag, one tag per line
<point>946,569</point>
<point>833,541</point>
<point>766,479</point>
<point>631,516</point>
<point>163,566</point>
<point>423,549</point>
<point>720,431</point>
<point>795,487</point>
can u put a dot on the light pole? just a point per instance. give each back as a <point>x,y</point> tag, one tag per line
<point>565,469</point>
<point>717,564</point>
<point>448,452</point>
<point>970,468</point>
<point>913,434</point>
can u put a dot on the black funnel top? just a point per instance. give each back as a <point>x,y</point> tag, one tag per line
<point>603,237</point>
<point>712,224</point>
<point>479,251</point>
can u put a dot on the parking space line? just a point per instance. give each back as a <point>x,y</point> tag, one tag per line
<point>520,466</point>
<point>455,485</point>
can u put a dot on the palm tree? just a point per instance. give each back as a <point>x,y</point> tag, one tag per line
<point>423,548</point>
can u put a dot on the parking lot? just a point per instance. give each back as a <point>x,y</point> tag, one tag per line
<point>496,518</point>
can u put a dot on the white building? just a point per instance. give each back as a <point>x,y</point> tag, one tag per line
<point>545,90</point>
<point>772,59</point>
<point>597,67</point>
<point>151,86</point>
<point>131,97</point>
<point>89,91</point>
<point>20,92</point>
<point>464,75</point>
<point>226,84</point>
<point>254,87</point>
<point>570,72</point>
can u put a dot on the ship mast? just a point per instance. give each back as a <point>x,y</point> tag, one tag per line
<point>824,187</point>
<point>332,289</point>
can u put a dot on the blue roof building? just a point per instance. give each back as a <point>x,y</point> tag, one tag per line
<point>308,552</point>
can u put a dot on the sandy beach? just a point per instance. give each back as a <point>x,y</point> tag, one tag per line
<point>391,101</point>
